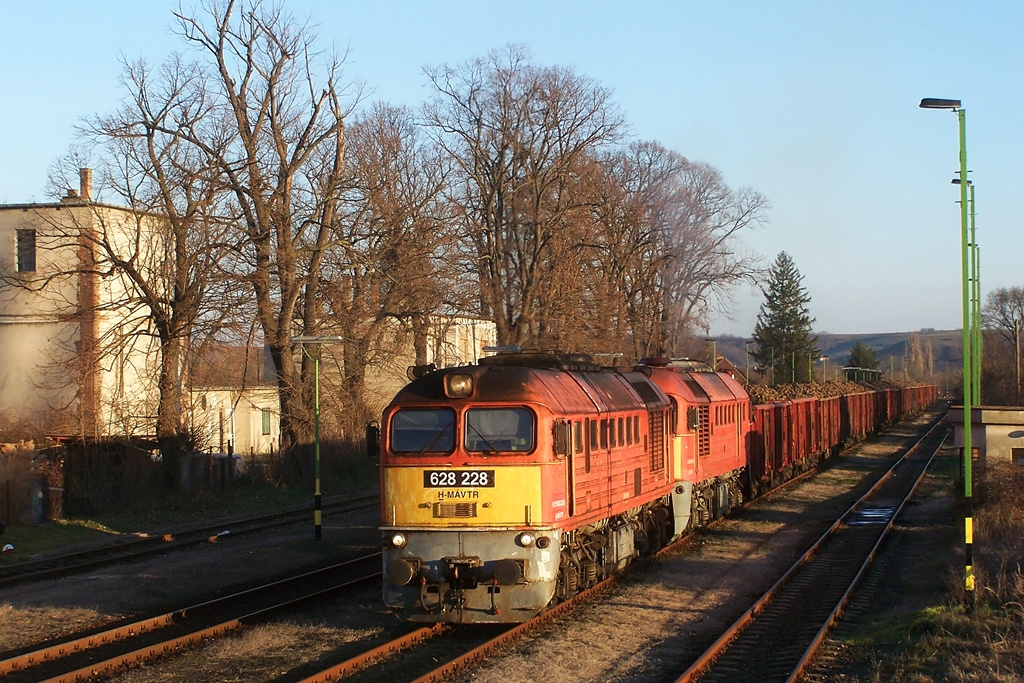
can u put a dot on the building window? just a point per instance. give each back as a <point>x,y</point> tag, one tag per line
<point>26,250</point>
<point>1017,454</point>
<point>266,422</point>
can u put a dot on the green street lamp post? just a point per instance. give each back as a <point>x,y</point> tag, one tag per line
<point>965,267</point>
<point>302,340</point>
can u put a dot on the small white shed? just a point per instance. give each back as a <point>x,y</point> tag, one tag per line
<point>247,418</point>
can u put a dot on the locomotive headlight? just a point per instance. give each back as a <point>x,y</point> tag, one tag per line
<point>399,540</point>
<point>458,385</point>
<point>525,539</point>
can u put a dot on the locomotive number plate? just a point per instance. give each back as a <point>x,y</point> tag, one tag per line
<point>434,479</point>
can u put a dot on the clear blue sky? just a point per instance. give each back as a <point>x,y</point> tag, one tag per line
<point>813,104</point>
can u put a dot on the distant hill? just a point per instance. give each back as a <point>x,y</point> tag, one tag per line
<point>889,348</point>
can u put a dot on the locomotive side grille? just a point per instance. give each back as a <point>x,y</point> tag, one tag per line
<point>443,510</point>
<point>657,431</point>
<point>704,432</point>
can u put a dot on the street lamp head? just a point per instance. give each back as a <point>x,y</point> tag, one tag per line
<point>956,181</point>
<point>937,103</point>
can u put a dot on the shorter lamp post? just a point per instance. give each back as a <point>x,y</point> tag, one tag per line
<point>302,340</point>
<point>975,280</point>
<point>746,356</point>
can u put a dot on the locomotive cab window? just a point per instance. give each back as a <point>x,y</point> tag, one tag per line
<point>418,430</point>
<point>499,429</point>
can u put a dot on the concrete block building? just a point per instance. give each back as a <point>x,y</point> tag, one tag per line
<point>73,343</point>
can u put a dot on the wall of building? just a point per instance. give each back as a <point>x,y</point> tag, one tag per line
<point>38,333</point>
<point>451,341</point>
<point>249,419</point>
<point>75,339</point>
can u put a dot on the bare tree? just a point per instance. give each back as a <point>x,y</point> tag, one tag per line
<point>170,258</point>
<point>1004,312</point>
<point>669,243</point>
<point>278,144</point>
<point>515,133</point>
<point>395,270</point>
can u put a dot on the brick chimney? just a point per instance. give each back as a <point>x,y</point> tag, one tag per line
<point>85,182</point>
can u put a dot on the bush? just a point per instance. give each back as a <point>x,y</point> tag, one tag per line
<point>344,466</point>
<point>21,492</point>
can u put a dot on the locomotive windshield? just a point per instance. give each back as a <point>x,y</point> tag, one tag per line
<point>499,429</point>
<point>423,431</point>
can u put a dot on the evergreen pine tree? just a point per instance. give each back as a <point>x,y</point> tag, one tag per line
<point>862,356</point>
<point>785,345</point>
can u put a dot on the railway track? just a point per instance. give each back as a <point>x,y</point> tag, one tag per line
<point>452,654</point>
<point>139,546</point>
<point>447,656</point>
<point>464,648</point>
<point>131,644</point>
<point>777,637</point>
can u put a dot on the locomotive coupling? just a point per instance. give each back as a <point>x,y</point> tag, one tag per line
<point>462,571</point>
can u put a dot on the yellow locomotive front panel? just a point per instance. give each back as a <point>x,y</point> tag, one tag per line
<point>440,497</point>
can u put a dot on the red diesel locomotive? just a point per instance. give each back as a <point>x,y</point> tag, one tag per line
<point>523,479</point>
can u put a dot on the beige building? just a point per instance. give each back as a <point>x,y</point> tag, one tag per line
<point>246,419</point>
<point>452,340</point>
<point>74,342</point>
<point>997,432</point>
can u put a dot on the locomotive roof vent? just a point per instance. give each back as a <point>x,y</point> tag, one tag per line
<point>502,349</point>
<point>545,360</point>
<point>687,364</point>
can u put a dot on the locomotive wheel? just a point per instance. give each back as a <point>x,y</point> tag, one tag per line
<point>589,573</point>
<point>568,577</point>
<point>641,543</point>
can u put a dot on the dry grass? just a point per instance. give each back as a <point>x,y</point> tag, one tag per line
<point>23,626</point>
<point>259,653</point>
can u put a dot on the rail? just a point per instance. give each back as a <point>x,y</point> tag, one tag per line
<point>777,636</point>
